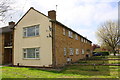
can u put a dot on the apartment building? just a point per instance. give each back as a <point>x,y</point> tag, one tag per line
<point>42,41</point>
<point>6,37</point>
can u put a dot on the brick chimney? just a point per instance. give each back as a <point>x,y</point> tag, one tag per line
<point>11,24</point>
<point>52,14</point>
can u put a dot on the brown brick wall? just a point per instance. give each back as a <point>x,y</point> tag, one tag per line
<point>64,41</point>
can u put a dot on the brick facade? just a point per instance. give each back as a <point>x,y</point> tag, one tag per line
<point>62,41</point>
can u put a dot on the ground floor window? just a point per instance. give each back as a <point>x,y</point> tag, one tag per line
<point>32,53</point>
<point>71,51</point>
<point>65,51</point>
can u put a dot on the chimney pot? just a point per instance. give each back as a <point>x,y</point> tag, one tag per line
<point>52,14</point>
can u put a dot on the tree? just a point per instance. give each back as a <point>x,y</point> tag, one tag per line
<point>4,8</point>
<point>109,34</point>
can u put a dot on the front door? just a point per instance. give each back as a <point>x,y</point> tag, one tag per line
<point>8,56</point>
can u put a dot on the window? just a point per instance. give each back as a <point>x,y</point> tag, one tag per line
<point>70,34</point>
<point>31,31</point>
<point>63,31</point>
<point>82,51</point>
<point>71,51</point>
<point>31,53</point>
<point>77,51</point>
<point>76,37</point>
<point>81,39</point>
<point>65,51</point>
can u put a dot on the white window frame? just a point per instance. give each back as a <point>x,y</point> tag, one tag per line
<point>65,51</point>
<point>81,39</point>
<point>83,51</point>
<point>36,51</point>
<point>77,51</point>
<point>25,32</point>
<point>71,51</point>
<point>63,31</point>
<point>76,36</point>
<point>70,34</point>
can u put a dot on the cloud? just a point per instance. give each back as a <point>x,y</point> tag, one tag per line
<point>83,16</point>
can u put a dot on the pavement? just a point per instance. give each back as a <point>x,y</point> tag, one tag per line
<point>116,54</point>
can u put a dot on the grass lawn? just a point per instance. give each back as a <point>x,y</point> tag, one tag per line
<point>68,72</point>
<point>73,71</point>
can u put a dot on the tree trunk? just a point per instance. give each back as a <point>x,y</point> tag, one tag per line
<point>114,53</point>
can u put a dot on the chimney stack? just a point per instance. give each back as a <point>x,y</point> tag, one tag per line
<point>52,14</point>
<point>11,24</point>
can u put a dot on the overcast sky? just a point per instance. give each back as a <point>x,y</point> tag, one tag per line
<point>83,16</point>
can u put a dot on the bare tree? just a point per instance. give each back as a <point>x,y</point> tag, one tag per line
<point>109,34</point>
<point>4,8</point>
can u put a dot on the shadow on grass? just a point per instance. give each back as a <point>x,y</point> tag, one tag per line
<point>87,70</point>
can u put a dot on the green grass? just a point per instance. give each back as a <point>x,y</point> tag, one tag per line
<point>73,71</point>
<point>68,72</point>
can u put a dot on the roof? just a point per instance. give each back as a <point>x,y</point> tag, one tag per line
<point>5,29</point>
<point>55,21</point>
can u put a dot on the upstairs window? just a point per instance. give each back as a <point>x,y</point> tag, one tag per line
<point>31,31</point>
<point>63,31</point>
<point>70,34</point>
<point>76,37</point>
<point>81,39</point>
<point>82,51</point>
<point>77,51</point>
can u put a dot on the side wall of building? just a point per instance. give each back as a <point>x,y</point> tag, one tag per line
<point>1,46</point>
<point>64,41</point>
<point>43,41</point>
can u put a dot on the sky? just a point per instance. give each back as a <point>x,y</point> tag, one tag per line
<point>83,16</point>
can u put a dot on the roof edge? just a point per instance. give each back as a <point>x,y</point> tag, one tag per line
<point>55,21</point>
<point>27,12</point>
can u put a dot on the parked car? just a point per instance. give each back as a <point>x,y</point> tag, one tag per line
<point>97,54</point>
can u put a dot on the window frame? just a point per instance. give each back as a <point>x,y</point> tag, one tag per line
<point>71,51</point>
<point>70,34</point>
<point>64,31</point>
<point>77,51</point>
<point>65,51</point>
<point>26,52</point>
<point>83,52</point>
<point>36,31</point>
<point>76,36</point>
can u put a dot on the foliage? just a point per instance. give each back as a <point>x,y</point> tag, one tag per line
<point>108,34</point>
